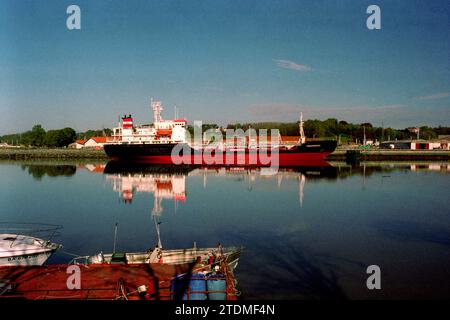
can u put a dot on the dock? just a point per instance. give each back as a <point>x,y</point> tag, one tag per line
<point>153,281</point>
<point>389,155</point>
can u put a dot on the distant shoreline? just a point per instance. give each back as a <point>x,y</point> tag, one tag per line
<point>338,155</point>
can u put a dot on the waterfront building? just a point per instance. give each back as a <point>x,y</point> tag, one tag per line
<point>435,144</point>
<point>78,144</point>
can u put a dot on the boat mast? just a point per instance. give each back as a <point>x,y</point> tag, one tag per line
<point>302,132</point>
<point>157,231</point>
<point>115,238</point>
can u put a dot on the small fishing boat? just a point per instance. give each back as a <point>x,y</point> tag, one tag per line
<point>21,250</point>
<point>208,256</point>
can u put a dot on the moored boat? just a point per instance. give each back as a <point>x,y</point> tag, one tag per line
<point>206,256</point>
<point>23,244</point>
<point>16,250</point>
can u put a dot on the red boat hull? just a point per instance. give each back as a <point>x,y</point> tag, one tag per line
<point>244,159</point>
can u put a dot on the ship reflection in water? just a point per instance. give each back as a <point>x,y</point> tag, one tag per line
<point>169,186</point>
<point>169,182</point>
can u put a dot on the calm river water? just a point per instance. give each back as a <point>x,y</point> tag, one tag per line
<point>308,232</point>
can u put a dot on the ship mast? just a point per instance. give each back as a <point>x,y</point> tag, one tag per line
<point>157,108</point>
<point>300,127</point>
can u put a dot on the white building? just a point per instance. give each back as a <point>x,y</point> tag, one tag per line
<point>78,144</point>
<point>95,142</point>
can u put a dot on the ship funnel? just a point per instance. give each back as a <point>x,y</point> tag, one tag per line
<point>127,122</point>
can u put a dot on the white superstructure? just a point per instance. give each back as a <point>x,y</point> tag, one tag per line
<point>161,131</point>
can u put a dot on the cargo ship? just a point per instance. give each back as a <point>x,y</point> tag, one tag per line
<point>167,142</point>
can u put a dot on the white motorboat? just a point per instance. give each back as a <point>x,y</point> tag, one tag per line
<point>23,250</point>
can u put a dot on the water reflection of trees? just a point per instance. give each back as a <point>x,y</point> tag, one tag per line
<point>348,171</point>
<point>38,171</point>
<point>367,170</point>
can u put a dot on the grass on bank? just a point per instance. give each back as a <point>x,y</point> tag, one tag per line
<point>51,153</point>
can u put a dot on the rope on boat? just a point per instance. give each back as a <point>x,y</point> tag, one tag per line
<point>121,288</point>
<point>74,258</point>
<point>69,253</point>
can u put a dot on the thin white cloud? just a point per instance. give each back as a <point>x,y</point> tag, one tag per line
<point>435,96</point>
<point>287,64</point>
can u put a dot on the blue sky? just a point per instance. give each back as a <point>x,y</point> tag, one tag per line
<point>223,61</point>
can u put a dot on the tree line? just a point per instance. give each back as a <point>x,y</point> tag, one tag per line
<point>345,131</point>
<point>94,133</point>
<point>331,128</point>
<point>38,137</point>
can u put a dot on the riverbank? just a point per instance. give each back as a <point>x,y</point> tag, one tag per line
<point>338,155</point>
<point>53,153</point>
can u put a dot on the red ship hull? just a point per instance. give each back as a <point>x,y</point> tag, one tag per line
<point>308,154</point>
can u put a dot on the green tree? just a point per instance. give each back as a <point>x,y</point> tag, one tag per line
<point>37,136</point>
<point>51,138</point>
<point>66,137</point>
<point>427,133</point>
<point>60,138</point>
